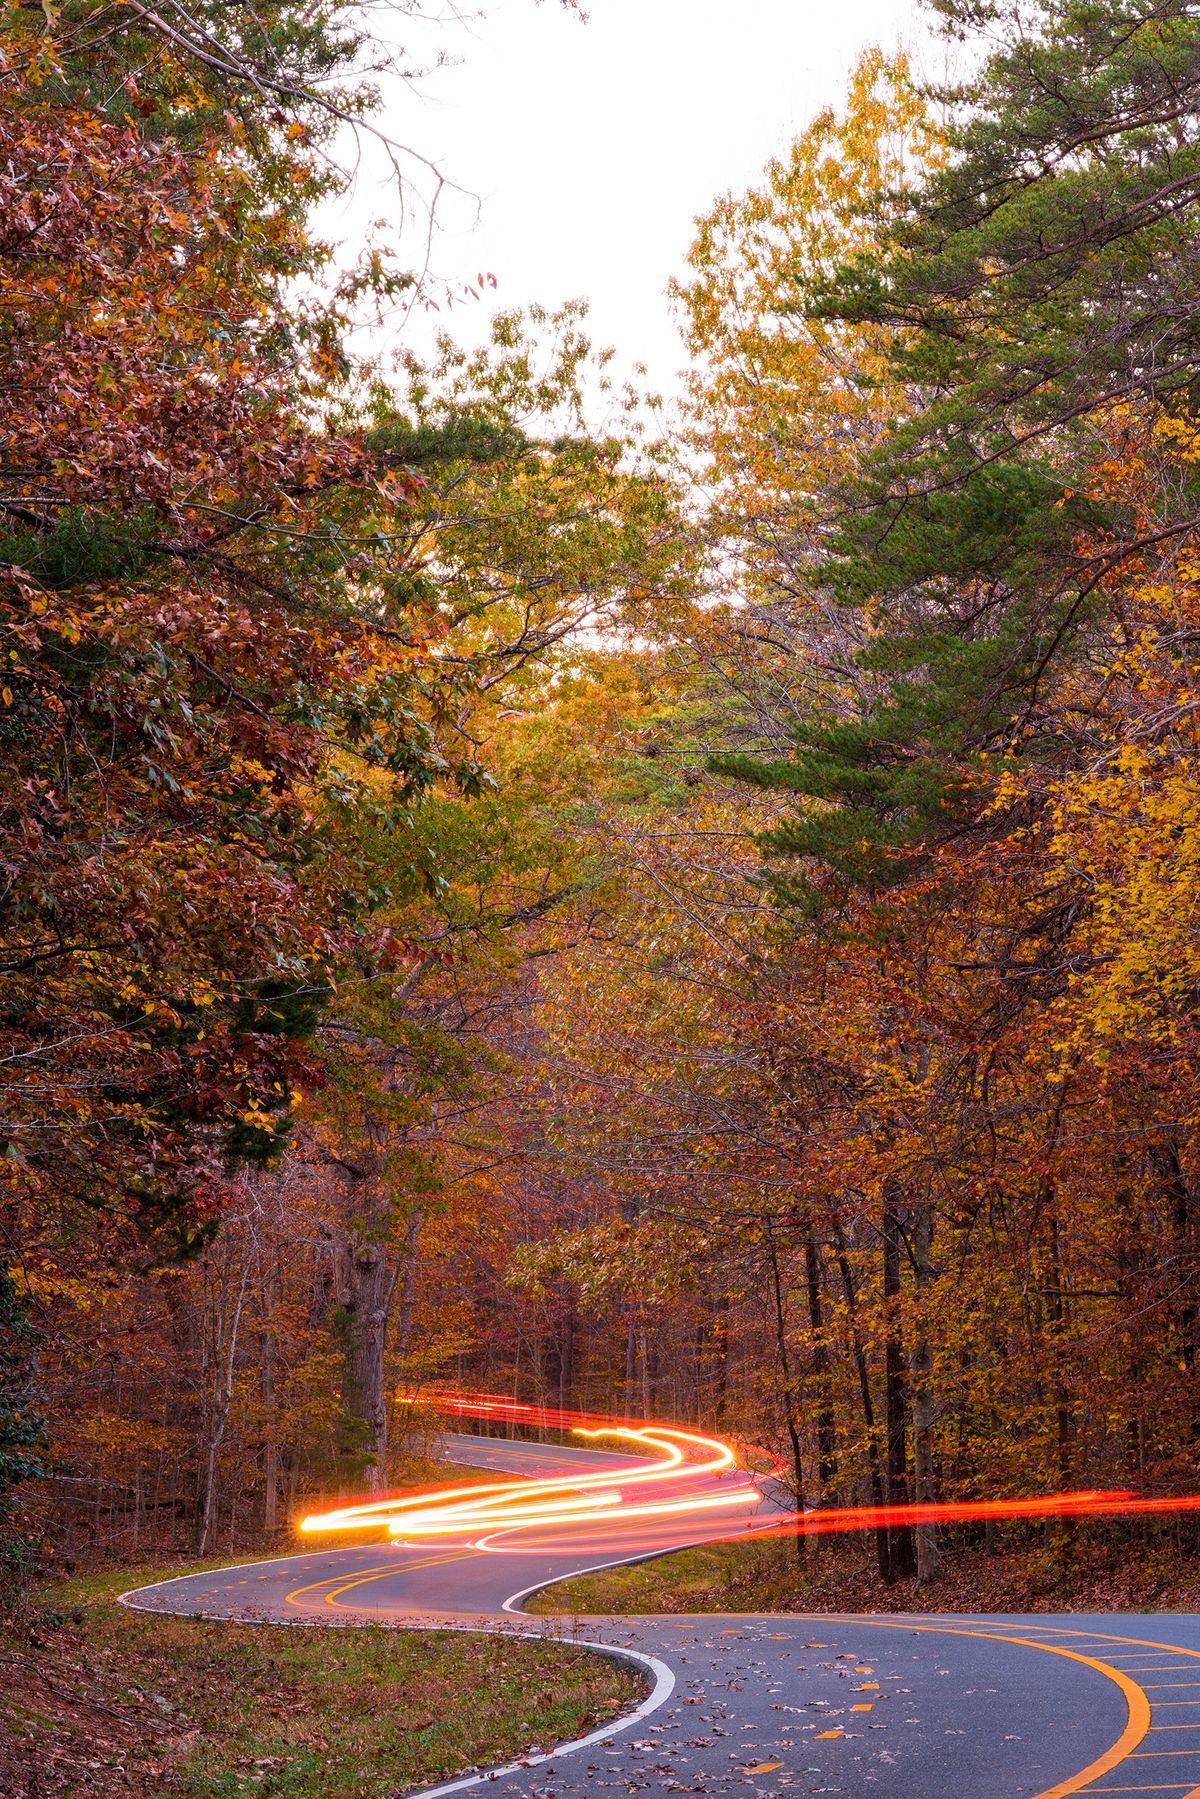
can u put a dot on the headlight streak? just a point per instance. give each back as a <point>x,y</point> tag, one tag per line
<point>591,1497</point>
<point>695,1480</point>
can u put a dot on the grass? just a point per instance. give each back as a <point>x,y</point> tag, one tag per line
<point>1044,1571</point>
<point>96,1699</point>
<point>718,1577</point>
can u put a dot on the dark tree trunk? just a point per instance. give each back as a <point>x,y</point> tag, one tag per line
<point>826,1428</point>
<point>923,1400</point>
<point>883,1545</point>
<point>267,1379</point>
<point>630,1366</point>
<point>412,1262</point>
<point>720,1337</point>
<point>566,1359</point>
<point>901,1552</point>
<point>1173,1183</point>
<point>363,1283</point>
<point>786,1383</point>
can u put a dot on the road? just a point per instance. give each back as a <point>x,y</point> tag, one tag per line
<point>904,1707</point>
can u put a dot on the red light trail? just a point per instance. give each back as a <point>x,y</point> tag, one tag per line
<point>696,1488</point>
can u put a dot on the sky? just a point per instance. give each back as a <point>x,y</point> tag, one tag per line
<point>585,150</point>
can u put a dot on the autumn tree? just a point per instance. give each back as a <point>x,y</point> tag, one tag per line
<point>528,532</point>
<point>235,566</point>
<point>192,622</point>
<point>939,1111</point>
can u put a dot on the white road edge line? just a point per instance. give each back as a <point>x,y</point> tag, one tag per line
<point>664,1677</point>
<point>664,1686</point>
<point>513,1602</point>
<point>660,1692</point>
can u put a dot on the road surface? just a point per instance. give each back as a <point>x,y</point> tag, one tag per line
<point>903,1707</point>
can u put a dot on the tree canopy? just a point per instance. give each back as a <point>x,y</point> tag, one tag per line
<point>691,915</point>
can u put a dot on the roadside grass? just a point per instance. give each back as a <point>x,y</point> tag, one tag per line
<point>717,1577</point>
<point>1048,1569</point>
<point>98,1699</point>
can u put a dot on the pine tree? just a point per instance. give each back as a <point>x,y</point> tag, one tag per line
<point>1034,297</point>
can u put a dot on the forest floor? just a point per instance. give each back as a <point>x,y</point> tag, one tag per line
<point>96,1699</point>
<point>99,1700</point>
<point>1060,1572</point>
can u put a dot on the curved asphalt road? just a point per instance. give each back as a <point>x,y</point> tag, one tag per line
<point>905,1707</point>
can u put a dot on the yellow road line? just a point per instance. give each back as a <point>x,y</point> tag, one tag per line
<point>292,1597</point>
<point>364,1574</point>
<point>1136,1725</point>
<point>463,1555</point>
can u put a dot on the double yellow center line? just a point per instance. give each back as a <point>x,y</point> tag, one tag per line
<point>365,1577</point>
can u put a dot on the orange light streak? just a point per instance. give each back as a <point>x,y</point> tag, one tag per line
<point>679,1495</point>
<point>589,1497</point>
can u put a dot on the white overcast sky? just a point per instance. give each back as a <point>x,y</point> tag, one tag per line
<point>589,148</point>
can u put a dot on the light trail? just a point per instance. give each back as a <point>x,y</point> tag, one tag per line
<point>695,1488</point>
<point>591,1497</point>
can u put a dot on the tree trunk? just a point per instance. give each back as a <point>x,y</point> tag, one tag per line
<point>363,1283</point>
<point>1056,1310</point>
<point>883,1544</point>
<point>1168,1171</point>
<point>630,1367</point>
<point>926,1536</point>
<point>720,1339</point>
<point>408,1299</point>
<point>826,1427</point>
<point>787,1388</point>
<point>1065,1530</point>
<point>566,1359</point>
<point>902,1557</point>
<point>267,1378</point>
<point>222,1399</point>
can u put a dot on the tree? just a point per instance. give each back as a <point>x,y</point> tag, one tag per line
<point>528,533</point>
<point>1032,292</point>
<point>195,616</point>
<point>22,1428</point>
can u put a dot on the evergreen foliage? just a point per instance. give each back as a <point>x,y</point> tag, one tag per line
<point>22,1432</point>
<point>1033,295</point>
